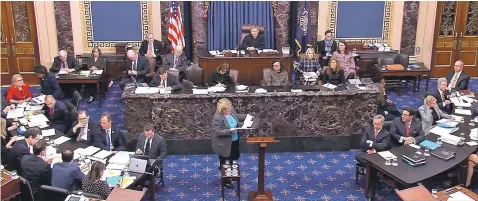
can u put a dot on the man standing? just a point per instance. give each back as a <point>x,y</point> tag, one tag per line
<point>35,170</point>
<point>253,41</point>
<point>406,130</point>
<point>135,68</point>
<point>67,174</point>
<point>458,80</point>
<point>151,145</point>
<point>110,137</point>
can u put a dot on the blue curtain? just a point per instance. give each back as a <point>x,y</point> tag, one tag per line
<point>226,18</point>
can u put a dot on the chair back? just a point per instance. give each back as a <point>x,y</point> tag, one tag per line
<point>130,143</point>
<point>387,125</point>
<point>195,74</point>
<point>73,111</point>
<point>401,59</point>
<point>386,60</point>
<point>246,29</point>
<point>89,195</point>
<point>188,84</point>
<point>264,73</point>
<point>234,75</point>
<point>75,99</point>
<point>53,193</point>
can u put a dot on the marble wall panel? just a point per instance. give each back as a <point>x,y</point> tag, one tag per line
<point>281,23</point>
<point>64,26</point>
<point>199,27</point>
<point>409,27</point>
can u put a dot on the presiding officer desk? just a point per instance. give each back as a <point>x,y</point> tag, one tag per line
<point>317,111</point>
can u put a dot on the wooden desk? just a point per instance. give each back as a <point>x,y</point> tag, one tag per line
<point>75,78</point>
<point>443,197</point>
<point>125,195</point>
<point>250,68</point>
<point>10,188</point>
<point>114,64</point>
<point>366,61</point>
<point>418,73</point>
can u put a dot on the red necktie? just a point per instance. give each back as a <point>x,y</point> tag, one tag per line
<point>375,136</point>
<point>51,111</point>
<point>408,129</point>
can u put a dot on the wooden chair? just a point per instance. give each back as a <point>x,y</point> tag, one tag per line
<point>264,73</point>
<point>246,29</point>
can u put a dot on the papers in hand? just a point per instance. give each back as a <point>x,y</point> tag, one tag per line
<point>329,86</point>
<point>463,112</point>
<point>102,154</point>
<point>61,140</point>
<point>48,132</point>
<point>247,122</point>
<point>16,113</point>
<point>386,154</point>
<point>146,90</point>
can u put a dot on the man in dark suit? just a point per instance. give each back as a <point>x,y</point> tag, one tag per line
<point>151,145</point>
<point>442,96</point>
<point>84,130</point>
<point>22,147</point>
<point>151,48</point>
<point>458,80</point>
<point>253,41</point>
<point>135,68</point>
<point>110,137</point>
<point>48,83</point>
<point>166,80</point>
<point>64,62</point>
<point>36,170</point>
<point>406,130</point>
<point>67,174</point>
<point>177,61</point>
<point>326,48</point>
<point>57,113</point>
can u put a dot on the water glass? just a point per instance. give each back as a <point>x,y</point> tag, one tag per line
<point>13,174</point>
<point>439,141</point>
<point>462,136</point>
<point>427,152</point>
<point>395,162</point>
<point>387,161</point>
<point>462,120</point>
<point>434,193</point>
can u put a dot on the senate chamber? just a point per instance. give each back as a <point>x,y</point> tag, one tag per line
<point>239,100</point>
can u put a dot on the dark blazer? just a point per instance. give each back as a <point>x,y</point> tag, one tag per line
<point>94,130</point>
<point>461,82</point>
<point>440,101</point>
<point>172,81</point>
<point>320,49</point>
<point>182,64</point>
<point>221,137</point>
<point>100,63</point>
<point>19,149</point>
<point>216,77</point>
<point>117,140</point>
<point>142,67</point>
<point>70,61</point>
<point>398,130</point>
<point>334,78</point>
<point>61,114</point>
<point>49,86</point>
<point>65,175</point>
<point>37,172</point>
<point>157,47</point>
<point>380,143</point>
<point>259,42</point>
<point>157,149</point>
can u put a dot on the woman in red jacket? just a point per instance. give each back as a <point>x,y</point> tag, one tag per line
<point>18,92</point>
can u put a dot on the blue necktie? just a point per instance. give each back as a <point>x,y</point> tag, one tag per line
<point>108,143</point>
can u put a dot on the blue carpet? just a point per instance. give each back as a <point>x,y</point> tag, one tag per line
<point>290,176</point>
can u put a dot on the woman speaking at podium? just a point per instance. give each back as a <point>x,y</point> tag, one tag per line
<point>225,137</point>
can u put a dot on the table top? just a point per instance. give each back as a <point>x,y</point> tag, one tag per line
<point>443,197</point>
<point>76,76</point>
<point>206,54</point>
<point>125,195</point>
<point>422,68</point>
<point>409,175</point>
<point>6,179</point>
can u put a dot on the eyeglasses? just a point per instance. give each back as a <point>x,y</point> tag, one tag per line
<point>82,118</point>
<point>406,115</point>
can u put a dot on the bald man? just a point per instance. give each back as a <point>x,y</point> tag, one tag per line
<point>136,67</point>
<point>176,61</point>
<point>64,62</point>
<point>57,113</point>
<point>458,80</point>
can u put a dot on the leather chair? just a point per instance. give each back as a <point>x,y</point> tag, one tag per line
<point>75,99</point>
<point>246,29</point>
<point>401,59</point>
<point>73,113</point>
<point>234,75</point>
<point>264,73</point>
<point>386,60</point>
<point>195,74</point>
<point>53,193</point>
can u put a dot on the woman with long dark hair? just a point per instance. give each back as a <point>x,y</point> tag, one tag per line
<point>93,183</point>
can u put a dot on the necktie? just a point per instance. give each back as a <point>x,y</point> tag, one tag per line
<point>164,83</point>
<point>108,142</point>
<point>453,82</point>
<point>63,65</point>
<point>175,62</point>
<point>148,147</point>
<point>82,132</point>
<point>375,135</point>
<point>408,129</point>
<point>442,95</point>
<point>51,111</point>
<point>150,48</point>
<point>135,65</point>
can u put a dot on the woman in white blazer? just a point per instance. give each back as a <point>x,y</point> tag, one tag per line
<point>430,113</point>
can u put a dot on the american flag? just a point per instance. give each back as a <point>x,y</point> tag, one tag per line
<point>176,29</point>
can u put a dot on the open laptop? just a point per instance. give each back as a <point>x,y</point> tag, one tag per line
<point>138,163</point>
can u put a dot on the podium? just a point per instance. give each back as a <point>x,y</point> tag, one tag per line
<point>261,194</point>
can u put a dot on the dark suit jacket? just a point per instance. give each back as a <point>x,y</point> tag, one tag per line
<point>259,42</point>
<point>117,140</point>
<point>61,114</point>
<point>156,151</point>
<point>19,149</point>
<point>182,64</point>
<point>94,130</point>
<point>157,47</point>
<point>380,143</point>
<point>321,48</point>
<point>172,81</point>
<point>142,66</point>
<point>100,63</point>
<point>37,172</point>
<point>70,61</point>
<point>221,136</point>
<point>65,175</point>
<point>398,130</point>
<point>49,86</point>
<point>440,101</point>
<point>461,83</point>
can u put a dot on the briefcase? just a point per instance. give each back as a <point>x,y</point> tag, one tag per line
<point>395,67</point>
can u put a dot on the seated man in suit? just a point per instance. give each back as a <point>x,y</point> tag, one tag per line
<point>326,48</point>
<point>63,62</point>
<point>177,61</point>
<point>48,83</point>
<point>406,130</point>
<point>442,95</point>
<point>67,174</point>
<point>84,130</point>
<point>165,80</point>
<point>458,80</point>
<point>110,137</point>
<point>151,48</point>
<point>57,113</point>
<point>135,68</point>
<point>253,41</point>
<point>151,145</point>
<point>22,148</point>
<point>36,170</point>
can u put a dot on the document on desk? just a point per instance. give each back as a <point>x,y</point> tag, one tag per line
<point>48,132</point>
<point>98,72</point>
<point>200,91</point>
<point>77,153</point>
<point>121,157</point>
<point>329,86</point>
<point>90,150</point>
<point>459,196</point>
<point>127,181</point>
<point>36,107</point>
<point>164,91</point>
<point>458,102</point>
<point>61,140</point>
<point>355,81</point>
<point>38,118</point>
<point>15,113</point>
<point>112,166</point>
<point>146,90</point>
<point>386,154</point>
<point>63,72</point>
<point>102,154</point>
<point>463,112</point>
<point>440,131</point>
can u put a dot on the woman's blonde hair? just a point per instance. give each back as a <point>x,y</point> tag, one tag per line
<point>222,104</point>
<point>307,53</point>
<point>428,99</point>
<point>14,78</point>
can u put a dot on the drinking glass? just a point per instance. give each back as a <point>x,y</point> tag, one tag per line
<point>387,161</point>
<point>462,120</point>
<point>395,162</point>
<point>13,174</point>
<point>434,193</point>
<point>427,152</point>
<point>472,123</point>
<point>439,141</point>
<point>462,136</point>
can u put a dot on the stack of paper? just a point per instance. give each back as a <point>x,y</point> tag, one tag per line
<point>329,86</point>
<point>102,154</point>
<point>121,158</point>
<point>63,72</point>
<point>440,131</point>
<point>458,102</point>
<point>61,140</point>
<point>450,139</point>
<point>127,181</point>
<point>24,104</point>
<point>386,154</point>
<point>39,99</point>
<point>15,113</point>
<point>36,107</point>
<point>355,81</point>
<point>474,134</point>
<point>447,123</point>
<point>90,151</point>
<point>463,112</point>
<point>85,73</point>
<point>200,91</point>
<point>37,120</point>
<point>98,72</point>
<point>216,89</point>
<point>48,132</point>
<point>247,122</point>
<point>110,173</point>
<point>164,91</point>
<point>459,196</point>
<point>78,153</point>
<point>146,90</point>
<point>112,166</point>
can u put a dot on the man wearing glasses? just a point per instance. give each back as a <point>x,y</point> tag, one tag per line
<point>84,130</point>
<point>406,130</point>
